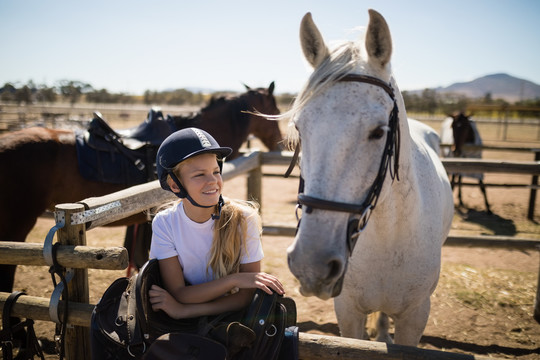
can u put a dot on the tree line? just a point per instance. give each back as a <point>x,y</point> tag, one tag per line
<point>426,101</point>
<point>430,101</point>
<point>77,91</point>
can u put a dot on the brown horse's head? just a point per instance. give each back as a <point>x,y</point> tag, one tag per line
<point>463,132</point>
<point>263,103</point>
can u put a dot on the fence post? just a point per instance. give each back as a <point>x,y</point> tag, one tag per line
<point>534,182</point>
<point>77,339</point>
<point>536,313</point>
<point>254,183</point>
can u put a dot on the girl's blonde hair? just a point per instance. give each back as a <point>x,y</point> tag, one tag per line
<point>230,233</point>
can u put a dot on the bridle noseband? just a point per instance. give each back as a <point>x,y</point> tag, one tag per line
<point>391,149</point>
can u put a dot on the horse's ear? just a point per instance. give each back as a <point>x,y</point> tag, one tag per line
<point>247,87</point>
<point>454,115</point>
<point>271,88</point>
<point>378,40</point>
<point>313,45</point>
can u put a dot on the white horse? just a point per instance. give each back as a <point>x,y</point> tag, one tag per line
<point>359,151</point>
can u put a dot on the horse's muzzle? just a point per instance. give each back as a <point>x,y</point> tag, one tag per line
<point>319,274</point>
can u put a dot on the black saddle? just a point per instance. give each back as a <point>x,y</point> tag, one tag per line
<point>152,131</point>
<point>121,157</point>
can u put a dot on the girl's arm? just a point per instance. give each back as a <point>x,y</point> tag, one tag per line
<point>249,277</point>
<point>162,300</point>
<point>182,303</point>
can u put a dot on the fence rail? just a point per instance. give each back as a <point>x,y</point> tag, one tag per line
<point>69,256</point>
<point>465,166</point>
<point>14,117</point>
<point>103,210</point>
<point>310,347</point>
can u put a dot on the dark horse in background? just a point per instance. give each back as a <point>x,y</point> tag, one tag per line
<point>39,166</point>
<point>460,131</point>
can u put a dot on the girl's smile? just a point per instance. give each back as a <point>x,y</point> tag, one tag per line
<point>201,178</point>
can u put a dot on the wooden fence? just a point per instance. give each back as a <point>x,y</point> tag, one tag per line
<point>533,186</point>
<point>15,117</point>
<point>73,220</point>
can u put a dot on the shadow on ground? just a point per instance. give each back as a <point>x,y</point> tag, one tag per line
<point>493,222</point>
<point>451,345</point>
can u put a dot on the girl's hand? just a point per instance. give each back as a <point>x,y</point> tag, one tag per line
<point>261,280</point>
<point>162,300</point>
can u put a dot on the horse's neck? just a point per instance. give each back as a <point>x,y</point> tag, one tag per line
<point>219,109</point>
<point>213,112</point>
<point>473,139</point>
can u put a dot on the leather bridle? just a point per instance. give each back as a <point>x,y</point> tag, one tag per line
<point>391,150</point>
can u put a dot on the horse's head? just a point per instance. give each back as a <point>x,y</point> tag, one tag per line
<point>462,131</point>
<point>262,102</point>
<point>230,119</point>
<point>342,117</point>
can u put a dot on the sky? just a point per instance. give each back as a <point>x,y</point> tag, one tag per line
<point>130,46</point>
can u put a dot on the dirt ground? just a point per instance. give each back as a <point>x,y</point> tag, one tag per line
<point>483,304</point>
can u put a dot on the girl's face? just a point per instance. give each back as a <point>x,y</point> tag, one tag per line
<point>201,178</point>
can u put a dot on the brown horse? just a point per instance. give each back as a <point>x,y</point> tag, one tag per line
<point>236,118</point>
<point>39,166</point>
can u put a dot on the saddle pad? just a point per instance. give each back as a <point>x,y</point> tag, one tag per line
<point>185,346</point>
<point>107,164</point>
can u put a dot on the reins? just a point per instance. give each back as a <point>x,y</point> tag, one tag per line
<point>391,150</point>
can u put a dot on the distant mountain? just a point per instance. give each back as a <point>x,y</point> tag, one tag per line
<point>501,86</point>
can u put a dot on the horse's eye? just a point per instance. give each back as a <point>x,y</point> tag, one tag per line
<point>378,133</point>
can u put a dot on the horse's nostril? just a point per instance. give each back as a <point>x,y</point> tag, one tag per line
<point>334,269</point>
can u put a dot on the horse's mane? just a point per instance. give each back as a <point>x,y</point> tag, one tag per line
<point>231,110</point>
<point>239,118</point>
<point>186,121</point>
<point>234,113</point>
<point>216,101</point>
<point>344,58</point>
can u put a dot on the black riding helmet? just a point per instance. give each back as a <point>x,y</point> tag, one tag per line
<point>182,145</point>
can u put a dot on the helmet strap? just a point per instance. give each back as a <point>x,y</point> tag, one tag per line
<point>184,194</point>
<point>219,206</point>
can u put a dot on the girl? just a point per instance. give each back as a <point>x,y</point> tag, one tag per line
<point>211,245</point>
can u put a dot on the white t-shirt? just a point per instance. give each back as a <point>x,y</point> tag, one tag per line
<point>175,234</point>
